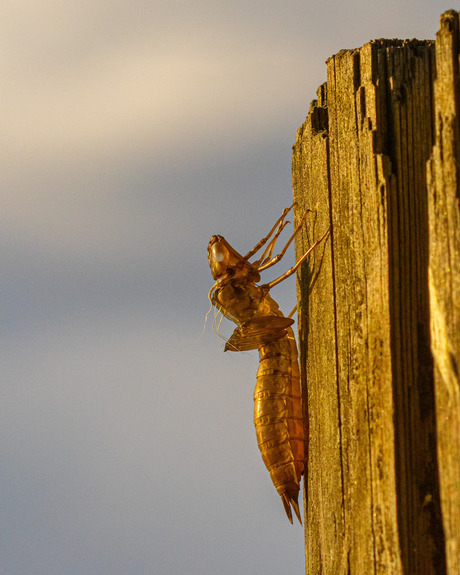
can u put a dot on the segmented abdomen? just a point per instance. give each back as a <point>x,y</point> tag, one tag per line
<point>278,418</point>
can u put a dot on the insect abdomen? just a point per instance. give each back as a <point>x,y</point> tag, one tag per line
<point>278,418</point>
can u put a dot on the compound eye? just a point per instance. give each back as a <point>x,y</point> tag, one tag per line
<point>218,252</point>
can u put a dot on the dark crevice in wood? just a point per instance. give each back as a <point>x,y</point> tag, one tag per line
<point>334,291</point>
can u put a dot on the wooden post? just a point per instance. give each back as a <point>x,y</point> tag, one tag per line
<point>379,309</point>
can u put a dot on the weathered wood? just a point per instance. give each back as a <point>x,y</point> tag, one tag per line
<point>372,491</point>
<point>444,277</point>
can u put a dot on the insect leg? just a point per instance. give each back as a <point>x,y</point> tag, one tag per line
<point>293,311</point>
<point>268,251</point>
<point>292,270</point>
<point>277,258</point>
<point>264,240</point>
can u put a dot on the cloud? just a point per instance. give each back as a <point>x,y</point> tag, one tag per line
<point>115,111</point>
<point>114,452</point>
<point>65,102</point>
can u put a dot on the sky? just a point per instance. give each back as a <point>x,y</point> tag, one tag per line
<point>132,131</point>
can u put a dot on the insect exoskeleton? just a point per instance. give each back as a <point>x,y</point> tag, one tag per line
<point>261,325</point>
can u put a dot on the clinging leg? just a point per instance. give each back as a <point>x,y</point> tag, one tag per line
<point>268,251</point>
<point>277,258</point>
<point>292,270</point>
<point>264,240</point>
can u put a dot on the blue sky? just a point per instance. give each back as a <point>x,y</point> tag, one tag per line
<point>132,132</point>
